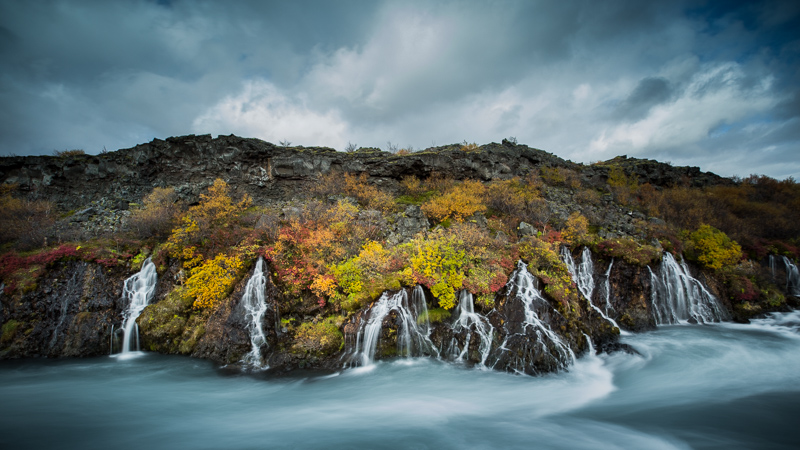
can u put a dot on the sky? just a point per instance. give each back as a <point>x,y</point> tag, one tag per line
<point>714,84</point>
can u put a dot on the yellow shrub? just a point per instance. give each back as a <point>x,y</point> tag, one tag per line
<point>713,248</point>
<point>462,201</point>
<point>213,281</point>
<point>577,230</point>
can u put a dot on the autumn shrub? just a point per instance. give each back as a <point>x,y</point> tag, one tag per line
<point>712,248</point>
<point>308,246</point>
<point>560,176</point>
<point>544,262</point>
<point>212,281</point>
<point>414,191</point>
<point>576,232</point>
<point>157,215</point>
<point>622,186</point>
<point>24,222</point>
<point>515,199</point>
<point>629,250</point>
<point>439,182</point>
<point>588,197</point>
<point>210,227</point>
<point>460,202</point>
<point>68,153</point>
<point>358,280</point>
<point>23,271</point>
<point>367,195</point>
<point>464,256</point>
<point>469,148</point>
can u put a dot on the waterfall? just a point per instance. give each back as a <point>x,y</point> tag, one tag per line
<point>412,337</point>
<point>607,286</point>
<point>523,287</point>
<point>138,290</point>
<point>468,320</point>
<point>772,268</point>
<point>583,275</point>
<point>255,305</point>
<point>678,297</point>
<point>792,278</point>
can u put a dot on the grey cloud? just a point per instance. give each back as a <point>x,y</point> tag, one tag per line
<point>650,92</point>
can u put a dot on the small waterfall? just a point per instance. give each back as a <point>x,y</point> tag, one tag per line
<point>523,287</point>
<point>412,337</point>
<point>255,305</point>
<point>138,290</point>
<point>607,286</point>
<point>583,275</point>
<point>678,297</point>
<point>468,320</point>
<point>772,268</point>
<point>792,277</point>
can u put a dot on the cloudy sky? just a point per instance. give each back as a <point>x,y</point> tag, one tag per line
<point>706,83</point>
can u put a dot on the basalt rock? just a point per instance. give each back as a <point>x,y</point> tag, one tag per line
<point>70,313</point>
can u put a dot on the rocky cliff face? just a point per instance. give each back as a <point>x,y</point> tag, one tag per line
<point>269,172</point>
<point>73,309</point>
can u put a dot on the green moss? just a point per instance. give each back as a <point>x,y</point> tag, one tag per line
<point>171,326</point>
<point>434,315</point>
<point>318,339</point>
<point>9,331</point>
<point>416,199</point>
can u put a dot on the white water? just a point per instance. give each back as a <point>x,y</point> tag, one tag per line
<point>138,290</point>
<point>678,297</point>
<point>792,277</point>
<point>583,276</point>
<point>726,386</point>
<point>467,320</point>
<point>255,304</point>
<point>413,337</point>
<point>523,287</point>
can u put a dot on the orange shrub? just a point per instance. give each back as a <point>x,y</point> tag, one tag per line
<point>462,201</point>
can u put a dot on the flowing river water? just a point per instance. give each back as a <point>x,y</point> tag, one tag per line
<point>691,386</point>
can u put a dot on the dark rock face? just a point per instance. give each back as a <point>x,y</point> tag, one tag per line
<point>630,295</point>
<point>269,172</point>
<point>70,313</point>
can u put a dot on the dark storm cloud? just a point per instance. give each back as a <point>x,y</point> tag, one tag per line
<point>649,92</point>
<point>706,82</point>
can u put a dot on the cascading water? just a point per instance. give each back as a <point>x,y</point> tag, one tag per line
<point>138,290</point>
<point>255,305</point>
<point>522,286</point>
<point>678,297</point>
<point>413,338</point>
<point>792,277</point>
<point>583,275</point>
<point>468,320</point>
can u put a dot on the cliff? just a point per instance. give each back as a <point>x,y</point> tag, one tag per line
<point>459,252</point>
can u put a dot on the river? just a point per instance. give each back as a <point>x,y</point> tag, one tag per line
<point>690,386</point>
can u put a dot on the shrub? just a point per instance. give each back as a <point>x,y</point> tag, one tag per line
<point>213,281</point>
<point>210,227</point>
<point>157,215</point>
<point>464,256</point>
<point>67,153</point>
<point>460,202</point>
<point>467,147</point>
<point>24,222</point>
<point>712,248</point>
<point>628,250</point>
<point>576,232</point>
<point>544,262</point>
<point>367,195</point>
